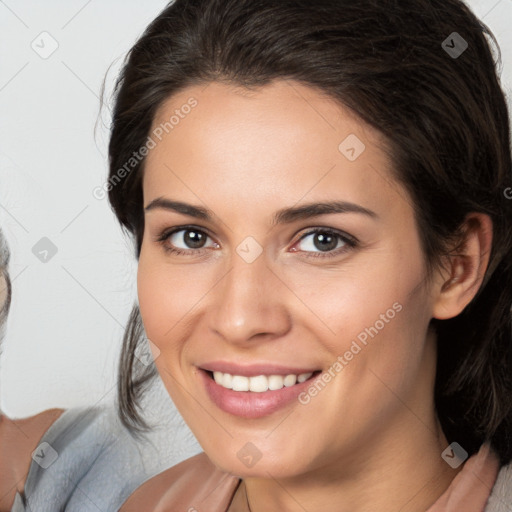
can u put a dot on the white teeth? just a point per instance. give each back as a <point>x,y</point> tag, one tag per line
<point>240,383</point>
<point>227,381</point>
<point>290,380</point>
<point>303,377</point>
<point>275,382</point>
<point>259,383</point>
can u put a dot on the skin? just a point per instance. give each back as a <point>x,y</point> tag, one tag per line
<point>18,439</point>
<point>370,440</point>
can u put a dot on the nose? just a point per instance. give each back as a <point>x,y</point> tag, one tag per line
<point>249,303</point>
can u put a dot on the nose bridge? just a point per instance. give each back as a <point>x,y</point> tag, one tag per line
<point>248,301</point>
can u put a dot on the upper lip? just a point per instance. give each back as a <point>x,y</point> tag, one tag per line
<point>254,369</point>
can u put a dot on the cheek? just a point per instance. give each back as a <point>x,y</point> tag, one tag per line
<point>163,307</point>
<point>375,318</point>
<point>166,295</point>
<point>171,298</point>
<point>158,304</point>
<point>368,297</point>
<point>384,351</point>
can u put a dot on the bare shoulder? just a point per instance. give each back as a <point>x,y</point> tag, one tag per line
<point>18,439</point>
<point>153,493</point>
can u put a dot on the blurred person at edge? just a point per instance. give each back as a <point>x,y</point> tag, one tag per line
<point>18,438</point>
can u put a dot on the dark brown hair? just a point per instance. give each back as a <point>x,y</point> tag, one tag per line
<point>443,115</point>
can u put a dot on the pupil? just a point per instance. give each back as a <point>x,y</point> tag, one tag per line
<point>327,242</point>
<point>194,239</point>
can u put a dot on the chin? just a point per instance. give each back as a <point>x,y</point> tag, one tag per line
<point>245,460</point>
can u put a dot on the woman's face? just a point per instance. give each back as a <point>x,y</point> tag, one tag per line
<point>265,283</point>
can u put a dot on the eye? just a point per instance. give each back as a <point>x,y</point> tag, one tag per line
<point>330,243</point>
<point>192,238</point>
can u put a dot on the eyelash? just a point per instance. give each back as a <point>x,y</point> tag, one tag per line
<point>349,241</point>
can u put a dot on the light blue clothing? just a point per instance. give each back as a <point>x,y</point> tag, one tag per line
<point>91,463</point>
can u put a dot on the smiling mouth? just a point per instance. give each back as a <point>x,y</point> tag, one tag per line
<point>259,383</point>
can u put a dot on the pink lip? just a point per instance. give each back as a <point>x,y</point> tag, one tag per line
<point>251,405</point>
<point>252,370</point>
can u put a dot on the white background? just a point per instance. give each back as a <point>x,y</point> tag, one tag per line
<point>67,317</point>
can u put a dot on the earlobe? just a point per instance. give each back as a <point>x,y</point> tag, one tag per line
<point>460,281</point>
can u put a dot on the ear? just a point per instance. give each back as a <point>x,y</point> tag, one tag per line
<point>459,281</point>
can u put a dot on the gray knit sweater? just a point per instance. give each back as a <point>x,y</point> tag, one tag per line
<point>87,461</point>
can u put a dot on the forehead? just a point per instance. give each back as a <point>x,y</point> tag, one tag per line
<point>284,140</point>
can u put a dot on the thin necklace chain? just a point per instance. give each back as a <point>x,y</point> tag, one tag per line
<point>247,498</point>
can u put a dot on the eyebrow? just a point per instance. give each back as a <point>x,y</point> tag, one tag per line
<point>283,216</point>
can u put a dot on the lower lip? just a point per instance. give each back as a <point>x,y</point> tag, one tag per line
<point>250,404</point>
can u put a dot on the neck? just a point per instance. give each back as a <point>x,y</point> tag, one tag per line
<point>395,468</point>
<point>408,476</point>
